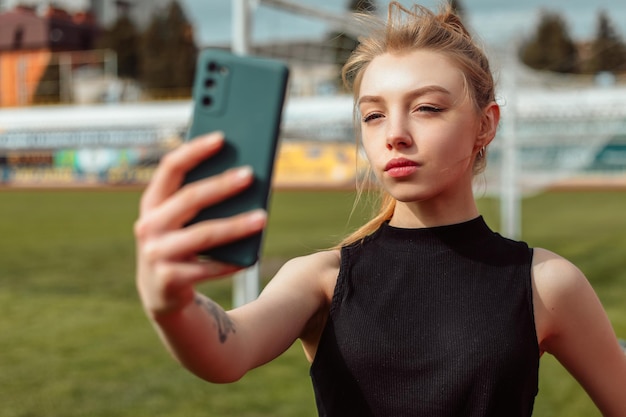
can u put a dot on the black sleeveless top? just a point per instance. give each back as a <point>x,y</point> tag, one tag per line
<point>433,322</point>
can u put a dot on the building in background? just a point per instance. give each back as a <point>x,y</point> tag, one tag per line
<point>105,11</point>
<point>29,38</point>
<point>47,48</point>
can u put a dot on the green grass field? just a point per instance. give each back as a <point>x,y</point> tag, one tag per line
<point>74,341</point>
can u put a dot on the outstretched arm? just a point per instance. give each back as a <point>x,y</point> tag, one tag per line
<point>216,345</point>
<point>577,331</point>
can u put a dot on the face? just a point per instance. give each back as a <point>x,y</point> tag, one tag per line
<point>419,127</point>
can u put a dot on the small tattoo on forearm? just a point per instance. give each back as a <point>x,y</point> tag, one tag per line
<point>223,322</point>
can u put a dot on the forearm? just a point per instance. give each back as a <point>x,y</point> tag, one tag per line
<point>204,339</point>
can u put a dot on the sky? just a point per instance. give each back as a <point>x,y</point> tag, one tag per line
<point>494,21</point>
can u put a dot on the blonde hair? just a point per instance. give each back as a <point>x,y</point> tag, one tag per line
<point>407,30</point>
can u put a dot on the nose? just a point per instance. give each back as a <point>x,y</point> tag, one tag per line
<point>398,135</point>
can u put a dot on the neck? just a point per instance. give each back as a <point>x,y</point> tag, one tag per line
<point>435,212</point>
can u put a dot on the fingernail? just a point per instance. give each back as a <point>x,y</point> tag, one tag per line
<point>213,138</point>
<point>257,218</point>
<point>243,173</point>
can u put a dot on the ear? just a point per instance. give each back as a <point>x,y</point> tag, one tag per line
<point>489,121</point>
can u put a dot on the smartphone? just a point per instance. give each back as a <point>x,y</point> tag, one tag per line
<point>243,97</point>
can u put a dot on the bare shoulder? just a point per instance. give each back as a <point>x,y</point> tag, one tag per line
<point>286,308</point>
<point>310,273</point>
<point>306,284</point>
<point>555,276</point>
<point>558,286</point>
<point>314,264</point>
<point>573,326</point>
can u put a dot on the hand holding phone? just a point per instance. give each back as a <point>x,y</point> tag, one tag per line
<point>243,97</point>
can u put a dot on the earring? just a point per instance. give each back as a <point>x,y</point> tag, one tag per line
<point>481,152</point>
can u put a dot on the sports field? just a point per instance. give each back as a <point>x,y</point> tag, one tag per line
<point>75,343</point>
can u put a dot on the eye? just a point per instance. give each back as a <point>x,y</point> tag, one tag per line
<point>371,116</point>
<point>426,108</point>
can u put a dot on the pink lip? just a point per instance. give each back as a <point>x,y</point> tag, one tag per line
<point>400,167</point>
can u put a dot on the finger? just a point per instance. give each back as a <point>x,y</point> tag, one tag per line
<point>189,200</point>
<point>183,243</point>
<point>174,166</point>
<point>171,284</point>
<point>178,275</point>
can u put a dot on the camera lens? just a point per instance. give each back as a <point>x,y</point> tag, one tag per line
<point>207,101</point>
<point>212,67</point>
<point>209,82</point>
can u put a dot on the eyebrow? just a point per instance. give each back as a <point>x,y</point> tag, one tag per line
<point>411,94</point>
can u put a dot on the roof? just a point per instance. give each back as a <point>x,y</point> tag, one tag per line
<point>33,29</point>
<point>24,29</point>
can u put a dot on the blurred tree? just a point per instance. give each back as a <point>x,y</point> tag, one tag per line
<point>343,44</point>
<point>608,52</point>
<point>551,48</point>
<point>123,38</point>
<point>168,53</point>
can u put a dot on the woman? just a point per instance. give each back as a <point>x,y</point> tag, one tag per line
<point>424,311</point>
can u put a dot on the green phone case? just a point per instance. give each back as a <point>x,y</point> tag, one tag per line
<point>243,97</point>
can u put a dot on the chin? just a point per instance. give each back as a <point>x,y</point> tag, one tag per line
<point>411,195</point>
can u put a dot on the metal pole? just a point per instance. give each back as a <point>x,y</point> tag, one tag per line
<point>246,282</point>
<point>110,63</point>
<point>241,26</point>
<point>510,202</point>
<point>65,77</point>
<point>21,89</point>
